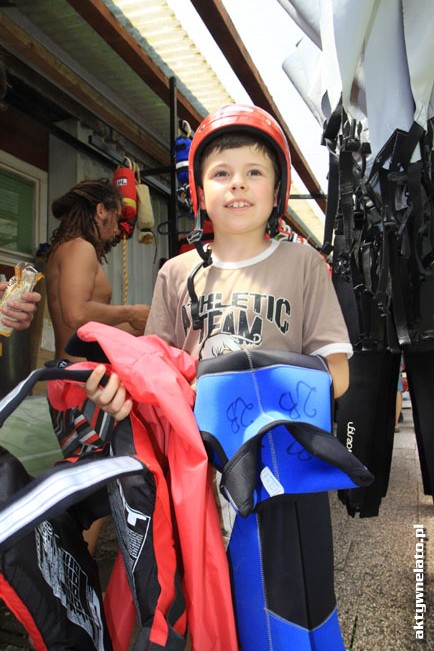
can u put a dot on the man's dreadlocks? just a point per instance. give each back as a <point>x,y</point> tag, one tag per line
<point>76,210</point>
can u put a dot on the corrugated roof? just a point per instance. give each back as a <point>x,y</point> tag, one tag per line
<point>154,26</point>
<point>157,29</point>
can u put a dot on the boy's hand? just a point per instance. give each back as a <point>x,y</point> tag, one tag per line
<point>111,398</point>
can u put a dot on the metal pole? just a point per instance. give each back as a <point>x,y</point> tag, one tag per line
<point>173,203</point>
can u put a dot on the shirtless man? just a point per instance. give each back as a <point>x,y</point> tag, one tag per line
<point>78,289</point>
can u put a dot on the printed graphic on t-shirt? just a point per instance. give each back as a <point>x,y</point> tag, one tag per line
<point>237,323</point>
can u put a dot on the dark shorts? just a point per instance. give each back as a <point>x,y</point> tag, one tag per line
<point>82,429</point>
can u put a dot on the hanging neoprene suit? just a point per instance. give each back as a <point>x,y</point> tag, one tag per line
<point>266,420</point>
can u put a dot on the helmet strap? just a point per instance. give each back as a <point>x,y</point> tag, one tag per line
<point>195,237</point>
<point>273,223</point>
<point>195,316</point>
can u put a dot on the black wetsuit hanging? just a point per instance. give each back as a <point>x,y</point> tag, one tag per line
<point>382,270</point>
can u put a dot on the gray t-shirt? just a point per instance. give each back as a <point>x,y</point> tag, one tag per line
<point>282,299</point>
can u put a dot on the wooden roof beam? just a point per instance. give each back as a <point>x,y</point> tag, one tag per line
<point>34,54</point>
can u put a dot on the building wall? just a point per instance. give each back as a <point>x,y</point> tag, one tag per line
<point>25,138</point>
<point>131,264</point>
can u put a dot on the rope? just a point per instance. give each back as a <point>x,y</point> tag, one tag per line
<point>124,268</point>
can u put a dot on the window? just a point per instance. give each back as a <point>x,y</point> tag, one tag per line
<point>23,208</point>
<point>16,213</point>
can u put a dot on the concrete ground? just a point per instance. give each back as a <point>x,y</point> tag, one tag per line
<point>374,557</point>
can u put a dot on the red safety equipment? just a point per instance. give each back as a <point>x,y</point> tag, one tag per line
<point>124,179</point>
<point>241,118</point>
<point>158,378</point>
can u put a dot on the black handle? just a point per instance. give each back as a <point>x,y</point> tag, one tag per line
<point>14,398</point>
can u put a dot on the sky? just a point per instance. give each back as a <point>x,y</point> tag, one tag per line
<point>269,34</point>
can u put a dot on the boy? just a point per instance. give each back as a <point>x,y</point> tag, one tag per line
<point>248,290</point>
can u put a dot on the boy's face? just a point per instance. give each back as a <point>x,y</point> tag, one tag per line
<point>238,190</point>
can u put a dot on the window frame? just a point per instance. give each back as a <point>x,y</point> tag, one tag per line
<point>39,179</point>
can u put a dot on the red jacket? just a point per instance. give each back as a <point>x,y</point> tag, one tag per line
<point>157,377</point>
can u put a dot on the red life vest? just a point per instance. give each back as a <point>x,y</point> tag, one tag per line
<point>165,434</point>
<point>48,579</point>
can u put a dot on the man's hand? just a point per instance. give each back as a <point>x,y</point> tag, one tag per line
<point>139,317</point>
<point>111,398</point>
<point>18,314</point>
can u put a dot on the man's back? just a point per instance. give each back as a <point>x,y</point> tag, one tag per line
<point>74,276</point>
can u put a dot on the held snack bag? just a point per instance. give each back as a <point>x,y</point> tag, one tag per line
<point>24,281</point>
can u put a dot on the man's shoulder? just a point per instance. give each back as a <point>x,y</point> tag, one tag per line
<point>74,245</point>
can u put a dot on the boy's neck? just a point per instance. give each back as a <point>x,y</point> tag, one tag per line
<point>238,249</point>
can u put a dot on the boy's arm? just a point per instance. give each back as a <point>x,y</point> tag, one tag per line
<point>340,372</point>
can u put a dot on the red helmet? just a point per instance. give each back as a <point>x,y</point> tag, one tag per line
<point>247,119</point>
